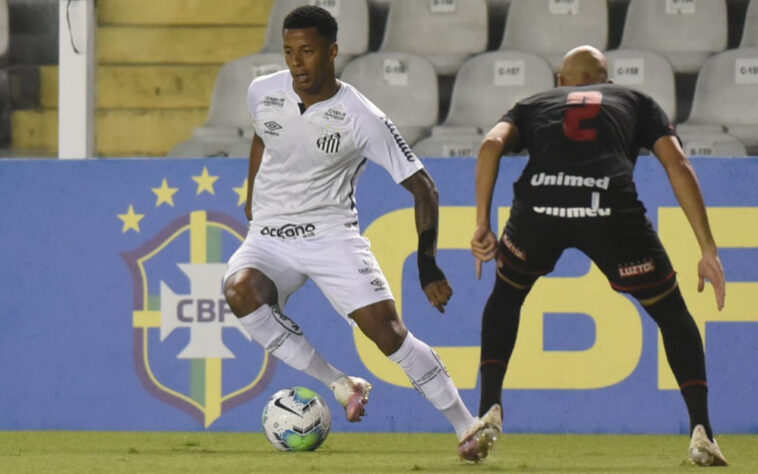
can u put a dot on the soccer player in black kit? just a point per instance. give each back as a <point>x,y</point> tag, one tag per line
<point>577,190</point>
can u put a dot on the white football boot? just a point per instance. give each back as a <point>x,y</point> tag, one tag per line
<point>352,393</point>
<point>703,451</point>
<point>477,441</point>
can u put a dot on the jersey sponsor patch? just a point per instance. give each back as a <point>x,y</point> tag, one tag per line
<point>329,142</point>
<point>290,231</point>
<point>573,212</point>
<point>570,181</point>
<point>635,269</point>
<point>270,101</point>
<point>334,114</point>
<point>513,249</point>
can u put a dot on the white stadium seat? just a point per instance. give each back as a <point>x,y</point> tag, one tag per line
<point>228,126</point>
<point>717,145</point>
<point>686,33</point>
<point>486,87</point>
<point>5,30</point>
<point>750,31</point>
<point>403,85</point>
<point>551,29</point>
<point>352,19</point>
<point>726,99</point>
<point>445,32</point>
<point>489,84</point>
<point>647,72</point>
<point>443,144</point>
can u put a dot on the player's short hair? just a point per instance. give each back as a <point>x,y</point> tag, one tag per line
<point>308,16</point>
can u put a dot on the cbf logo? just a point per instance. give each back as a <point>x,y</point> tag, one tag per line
<point>190,351</point>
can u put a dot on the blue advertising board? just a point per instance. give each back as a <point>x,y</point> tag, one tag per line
<point>113,316</point>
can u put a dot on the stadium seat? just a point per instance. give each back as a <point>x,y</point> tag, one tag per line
<point>352,35</point>
<point>218,147</point>
<point>5,32</point>
<point>686,33</point>
<point>445,32</point>
<point>489,84</point>
<point>726,99</point>
<point>443,144</point>
<point>403,85</point>
<point>718,145</point>
<point>497,12</point>
<point>647,72</point>
<point>486,87</point>
<point>551,29</point>
<point>229,120</point>
<point>750,31</point>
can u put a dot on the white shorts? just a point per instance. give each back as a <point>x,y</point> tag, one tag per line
<point>340,263</point>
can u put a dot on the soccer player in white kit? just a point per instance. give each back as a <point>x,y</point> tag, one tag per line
<point>313,137</point>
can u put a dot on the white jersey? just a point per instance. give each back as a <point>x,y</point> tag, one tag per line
<point>312,159</point>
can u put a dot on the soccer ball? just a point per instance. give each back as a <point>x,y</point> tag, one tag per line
<point>296,419</point>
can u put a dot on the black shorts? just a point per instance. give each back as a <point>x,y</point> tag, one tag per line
<point>625,248</point>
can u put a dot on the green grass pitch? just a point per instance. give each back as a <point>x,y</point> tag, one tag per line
<point>363,453</point>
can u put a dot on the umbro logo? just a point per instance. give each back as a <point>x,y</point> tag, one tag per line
<point>272,127</point>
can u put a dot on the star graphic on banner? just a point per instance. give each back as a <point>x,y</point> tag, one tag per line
<point>131,220</point>
<point>165,194</point>
<point>242,193</point>
<point>205,182</point>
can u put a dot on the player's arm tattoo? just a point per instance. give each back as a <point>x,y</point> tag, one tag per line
<point>426,204</point>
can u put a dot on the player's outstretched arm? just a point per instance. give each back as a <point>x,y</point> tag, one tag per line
<point>498,141</point>
<point>256,154</point>
<point>690,196</point>
<point>426,203</point>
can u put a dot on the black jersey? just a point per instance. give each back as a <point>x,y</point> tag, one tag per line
<point>583,143</point>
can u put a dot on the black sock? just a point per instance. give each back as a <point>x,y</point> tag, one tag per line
<point>684,351</point>
<point>696,398</point>
<point>500,322</point>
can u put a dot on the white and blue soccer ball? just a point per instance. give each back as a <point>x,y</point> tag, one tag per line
<point>296,419</point>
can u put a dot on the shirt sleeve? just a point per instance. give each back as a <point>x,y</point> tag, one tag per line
<point>654,123</point>
<point>379,140</point>
<point>516,117</point>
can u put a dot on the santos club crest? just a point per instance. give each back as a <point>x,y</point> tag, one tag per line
<point>189,349</point>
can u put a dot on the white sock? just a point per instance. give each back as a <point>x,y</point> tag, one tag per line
<point>428,375</point>
<point>459,417</point>
<point>284,339</point>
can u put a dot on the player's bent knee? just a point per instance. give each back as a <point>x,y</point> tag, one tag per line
<point>247,290</point>
<point>650,296</point>
<point>381,323</point>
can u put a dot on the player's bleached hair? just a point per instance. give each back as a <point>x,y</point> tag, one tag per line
<point>308,16</point>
